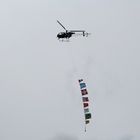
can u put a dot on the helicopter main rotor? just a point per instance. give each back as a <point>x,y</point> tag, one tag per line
<point>62,26</point>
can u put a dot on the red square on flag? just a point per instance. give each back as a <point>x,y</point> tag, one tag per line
<point>84,92</point>
<point>85,104</point>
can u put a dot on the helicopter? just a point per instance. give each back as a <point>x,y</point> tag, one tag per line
<point>69,33</point>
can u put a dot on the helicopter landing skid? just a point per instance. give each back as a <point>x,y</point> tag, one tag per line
<point>64,40</point>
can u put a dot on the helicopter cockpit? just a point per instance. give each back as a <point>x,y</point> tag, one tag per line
<point>61,33</point>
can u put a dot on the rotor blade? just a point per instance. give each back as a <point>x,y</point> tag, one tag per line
<point>76,31</point>
<point>61,25</point>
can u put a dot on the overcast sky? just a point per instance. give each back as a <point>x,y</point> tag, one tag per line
<point>39,93</point>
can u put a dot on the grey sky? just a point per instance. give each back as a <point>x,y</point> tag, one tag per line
<point>39,93</point>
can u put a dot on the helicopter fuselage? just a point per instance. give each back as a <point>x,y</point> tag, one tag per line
<point>66,35</point>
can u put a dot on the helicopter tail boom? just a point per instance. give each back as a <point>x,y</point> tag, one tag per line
<point>83,31</point>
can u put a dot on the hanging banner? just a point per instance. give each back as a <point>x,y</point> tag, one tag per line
<point>85,101</point>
